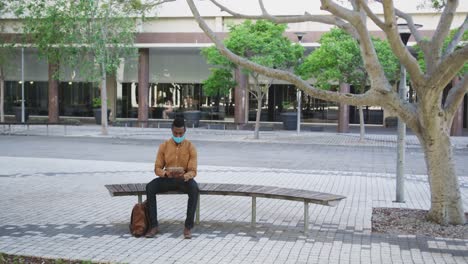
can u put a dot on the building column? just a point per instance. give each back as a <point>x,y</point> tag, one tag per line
<point>240,98</point>
<point>53,106</point>
<point>343,114</point>
<point>457,123</point>
<point>143,84</point>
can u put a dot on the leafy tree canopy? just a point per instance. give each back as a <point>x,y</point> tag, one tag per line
<point>51,27</point>
<point>219,82</point>
<point>338,59</point>
<point>82,34</point>
<point>264,43</point>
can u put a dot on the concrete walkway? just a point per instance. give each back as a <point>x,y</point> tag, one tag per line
<point>59,208</point>
<point>378,135</point>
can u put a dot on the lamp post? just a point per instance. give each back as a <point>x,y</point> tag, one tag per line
<point>405,34</point>
<point>22,87</point>
<point>299,35</point>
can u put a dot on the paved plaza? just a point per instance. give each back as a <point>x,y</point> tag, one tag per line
<point>59,207</point>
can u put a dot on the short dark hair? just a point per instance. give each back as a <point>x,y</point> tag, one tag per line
<point>178,122</point>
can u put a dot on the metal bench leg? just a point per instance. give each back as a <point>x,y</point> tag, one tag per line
<point>140,198</point>
<point>197,215</point>
<point>65,128</point>
<point>306,217</point>
<point>47,129</point>
<point>254,211</point>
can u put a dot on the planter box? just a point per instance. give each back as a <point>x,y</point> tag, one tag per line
<point>173,115</point>
<point>289,120</point>
<point>391,121</point>
<point>192,118</point>
<point>17,111</point>
<point>97,115</point>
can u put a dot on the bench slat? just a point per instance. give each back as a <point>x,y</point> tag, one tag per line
<point>122,190</point>
<point>208,187</point>
<point>141,187</point>
<point>129,187</point>
<point>126,188</point>
<point>132,187</point>
<point>112,189</point>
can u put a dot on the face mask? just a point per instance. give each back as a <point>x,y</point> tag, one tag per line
<point>178,140</point>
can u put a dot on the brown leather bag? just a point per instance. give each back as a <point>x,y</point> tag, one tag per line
<point>139,220</point>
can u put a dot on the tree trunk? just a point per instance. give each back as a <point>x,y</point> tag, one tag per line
<point>104,103</point>
<point>361,124</point>
<point>257,119</point>
<point>343,111</point>
<point>53,93</point>
<point>2,95</point>
<point>446,200</point>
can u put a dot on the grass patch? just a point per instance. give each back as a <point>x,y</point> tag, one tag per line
<point>21,259</point>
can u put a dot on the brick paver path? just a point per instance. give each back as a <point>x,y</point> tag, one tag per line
<point>60,208</point>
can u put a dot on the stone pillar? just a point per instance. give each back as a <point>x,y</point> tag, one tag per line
<point>111,84</point>
<point>53,93</point>
<point>343,115</point>
<point>143,84</point>
<point>457,123</point>
<point>240,98</point>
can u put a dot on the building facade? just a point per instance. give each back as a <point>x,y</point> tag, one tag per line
<point>169,63</point>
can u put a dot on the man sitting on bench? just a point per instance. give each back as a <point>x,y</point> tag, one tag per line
<point>176,166</point>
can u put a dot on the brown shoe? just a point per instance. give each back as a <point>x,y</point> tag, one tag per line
<point>187,233</point>
<point>152,232</point>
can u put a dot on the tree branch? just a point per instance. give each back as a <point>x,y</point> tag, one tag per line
<point>264,11</point>
<point>369,55</point>
<point>339,11</point>
<point>456,38</point>
<point>442,30</point>
<point>448,69</point>
<point>455,96</point>
<point>363,99</point>
<point>379,94</point>
<point>372,16</point>
<point>398,48</point>
<point>409,20</point>
<point>288,19</point>
<point>156,3</point>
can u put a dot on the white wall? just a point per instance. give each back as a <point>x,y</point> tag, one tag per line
<point>170,65</point>
<point>176,16</point>
<point>180,8</point>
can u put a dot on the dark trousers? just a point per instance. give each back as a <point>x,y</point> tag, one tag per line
<point>161,185</point>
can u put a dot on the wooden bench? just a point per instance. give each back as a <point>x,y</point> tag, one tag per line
<point>253,191</point>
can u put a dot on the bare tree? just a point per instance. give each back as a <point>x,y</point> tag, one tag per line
<point>428,118</point>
